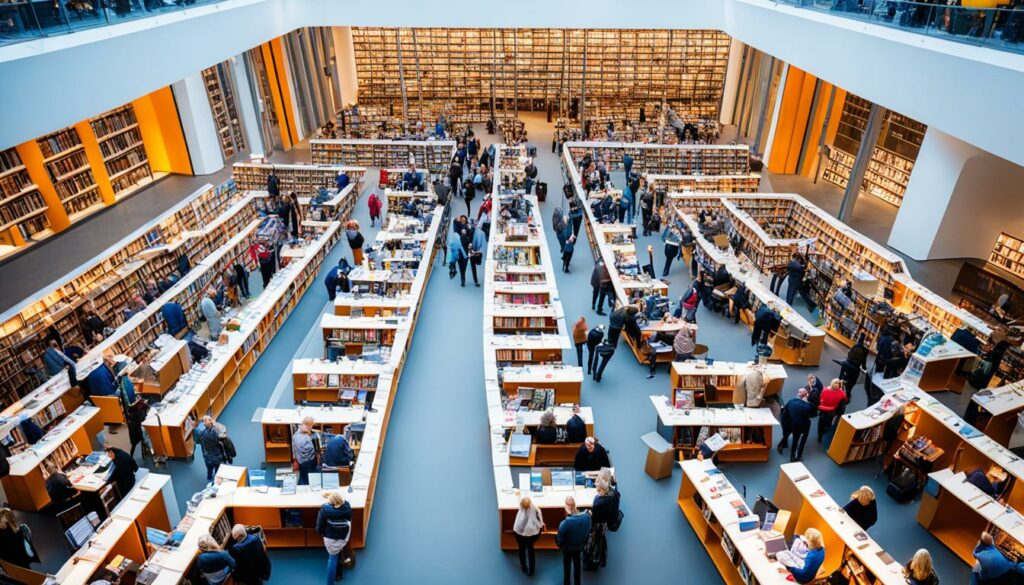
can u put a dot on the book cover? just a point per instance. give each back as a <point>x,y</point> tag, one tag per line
<point>536,482</point>
<point>316,381</point>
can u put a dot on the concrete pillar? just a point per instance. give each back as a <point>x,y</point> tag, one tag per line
<point>198,125</point>
<point>732,83</point>
<point>959,198</point>
<point>861,162</point>
<point>345,67</point>
<point>247,106</point>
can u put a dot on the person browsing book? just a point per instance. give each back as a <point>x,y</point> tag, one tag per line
<point>591,456</point>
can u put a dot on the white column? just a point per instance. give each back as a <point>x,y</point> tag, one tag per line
<point>198,125</point>
<point>291,84</point>
<point>345,68</point>
<point>959,198</point>
<point>246,102</point>
<point>775,113</point>
<point>732,83</point>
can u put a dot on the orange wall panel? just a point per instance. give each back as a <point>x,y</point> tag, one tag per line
<point>281,75</point>
<point>800,123</point>
<point>95,158</point>
<point>161,132</point>
<point>32,157</point>
<point>787,116</point>
<point>815,127</point>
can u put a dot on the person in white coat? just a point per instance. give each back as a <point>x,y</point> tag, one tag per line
<point>529,524</point>
<point>210,312</point>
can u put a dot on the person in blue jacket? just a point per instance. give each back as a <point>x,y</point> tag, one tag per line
<point>174,318</point>
<point>808,572</point>
<point>342,181</point>
<point>214,564</point>
<point>992,567</point>
<point>56,361</point>
<point>252,565</point>
<point>331,282</point>
<point>796,421</point>
<point>457,256</point>
<point>571,538</point>
<point>338,452</point>
<point>102,381</point>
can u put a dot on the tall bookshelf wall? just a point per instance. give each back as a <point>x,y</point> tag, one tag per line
<point>528,68</point>
<point>124,154</point>
<point>892,158</point>
<point>68,168</point>
<point>219,91</point>
<point>21,205</point>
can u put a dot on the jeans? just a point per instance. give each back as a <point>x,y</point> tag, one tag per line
<point>579,354</point>
<point>613,335</point>
<point>572,561</point>
<point>682,357</point>
<point>671,251</point>
<point>527,555</point>
<point>600,369</point>
<point>305,468</point>
<point>528,185</point>
<point>211,470</point>
<point>333,568</point>
<point>799,440</point>
<point>566,259</point>
<point>267,271</point>
<point>561,240</point>
<point>825,420</point>
<point>462,270</point>
<point>576,223</point>
<point>472,266</point>
<point>646,219</point>
<point>600,294</point>
<point>591,359</point>
<point>776,284</point>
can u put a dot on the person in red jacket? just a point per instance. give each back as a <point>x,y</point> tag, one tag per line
<point>375,205</point>
<point>833,399</point>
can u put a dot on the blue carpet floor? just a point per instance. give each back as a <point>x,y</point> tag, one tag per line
<point>434,516</point>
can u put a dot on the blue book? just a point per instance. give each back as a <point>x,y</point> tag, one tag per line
<point>257,477</point>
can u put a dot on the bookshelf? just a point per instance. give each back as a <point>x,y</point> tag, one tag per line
<point>221,95</point>
<point>298,178</point>
<point>124,154</point>
<point>747,431</point>
<point>69,171</point>
<point>892,159</point>
<point>109,279</point>
<point>530,69</point>
<point>669,159</point>
<point>22,208</point>
<point>719,379</point>
<point>1008,254</point>
<point>748,183</point>
<point>433,156</point>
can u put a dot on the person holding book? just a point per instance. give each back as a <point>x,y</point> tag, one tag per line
<point>334,524</point>
<point>571,538</point>
<point>215,564</point>
<point>920,571</point>
<point>527,528</point>
<point>862,507</point>
<point>796,421</point>
<point>304,450</point>
<point>591,456</point>
<point>804,557</point>
<point>252,564</point>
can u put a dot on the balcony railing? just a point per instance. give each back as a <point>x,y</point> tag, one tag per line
<point>996,28</point>
<point>22,20</point>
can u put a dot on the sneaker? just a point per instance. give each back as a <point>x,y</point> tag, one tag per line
<point>649,376</point>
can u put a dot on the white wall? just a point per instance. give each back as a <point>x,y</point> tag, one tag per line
<point>198,125</point>
<point>959,89</point>
<point>958,200</point>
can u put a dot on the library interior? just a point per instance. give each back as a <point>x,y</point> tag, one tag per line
<point>235,255</point>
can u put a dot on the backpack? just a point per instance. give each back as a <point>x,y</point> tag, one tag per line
<point>903,486</point>
<point>229,448</point>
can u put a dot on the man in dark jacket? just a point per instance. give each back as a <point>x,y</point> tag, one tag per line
<point>123,474</point>
<point>174,318</point>
<point>571,539</point>
<point>605,351</point>
<point>331,282</point>
<point>591,456</point>
<point>252,565</point>
<point>796,421</point>
<point>594,338</point>
<point>766,321</point>
<point>794,277</point>
<point>601,283</point>
<point>618,319</point>
<point>575,428</point>
<point>102,381</point>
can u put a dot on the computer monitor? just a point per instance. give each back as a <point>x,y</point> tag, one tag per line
<point>81,531</point>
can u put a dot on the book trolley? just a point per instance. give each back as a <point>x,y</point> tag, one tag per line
<point>523,369</point>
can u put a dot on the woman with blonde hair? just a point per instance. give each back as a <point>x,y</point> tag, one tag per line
<point>862,508</point>
<point>805,557</point>
<point>15,542</point>
<point>215,564</point>
<point>527,528</point>
<point>334,524</point>
<point>919,569</point>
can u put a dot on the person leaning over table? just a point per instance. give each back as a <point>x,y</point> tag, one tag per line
<point>920,571</point>
<point>208,435</point>
<point>605,351</point>
<point>594,338</point>
<point>215,564</point>
<point>338,453</point>
<point>750,391</point>
<point>252,564</point>
<point>304,451</point>
<point>621,315</point>
<point>174,319</point>
<point>572,537</point>
<point>591,456</point>
<point>683,344</point>
<point>123,474</point>
<point>862,507</point>
<point>575,428</point>
<point>334,524</point>
<point>102,381</point>
<point>212,315</point>
<point>527,528</point>
<point>796,421</point>
<point>992,567</point>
